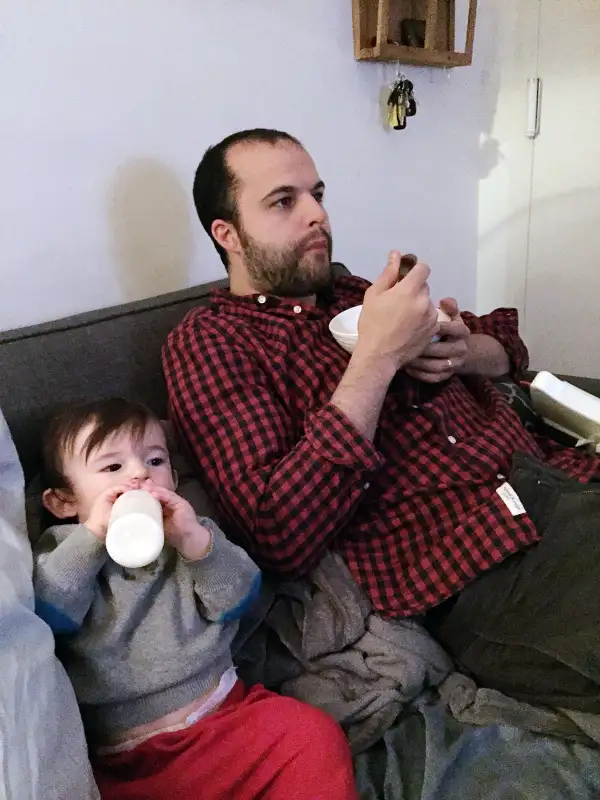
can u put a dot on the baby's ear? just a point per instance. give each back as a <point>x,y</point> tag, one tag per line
<point>60,503</point>
<point>175,480</point>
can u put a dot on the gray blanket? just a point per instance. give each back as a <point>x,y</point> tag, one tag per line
<point>429,755</point>
<point>318,641</point>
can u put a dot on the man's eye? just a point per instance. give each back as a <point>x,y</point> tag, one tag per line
<point>319,196</point>
<point>112,468</point>
<point>284,202</point>
<point>158,461</point>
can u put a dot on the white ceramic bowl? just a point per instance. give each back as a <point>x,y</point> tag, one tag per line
<point>344,327</point>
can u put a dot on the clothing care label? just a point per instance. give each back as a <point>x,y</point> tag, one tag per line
<point>511,499</point>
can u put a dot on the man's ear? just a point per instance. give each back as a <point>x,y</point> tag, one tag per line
<point>225,234</point>
<point>60,503</point>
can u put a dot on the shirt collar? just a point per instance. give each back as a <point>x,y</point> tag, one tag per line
<point>284,306</point>
<point>345,291</point>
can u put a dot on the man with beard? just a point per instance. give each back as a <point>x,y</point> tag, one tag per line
<point>397,456</point>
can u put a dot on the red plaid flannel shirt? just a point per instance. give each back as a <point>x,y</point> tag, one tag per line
<point>415,514</point>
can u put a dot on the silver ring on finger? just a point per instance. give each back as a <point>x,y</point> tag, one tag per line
<point>449,363</point>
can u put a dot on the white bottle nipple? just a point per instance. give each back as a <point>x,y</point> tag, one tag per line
<point>135,534</point>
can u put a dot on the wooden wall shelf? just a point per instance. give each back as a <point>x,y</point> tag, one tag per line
<point>417,32</point>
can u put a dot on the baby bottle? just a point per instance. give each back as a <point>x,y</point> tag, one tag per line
<point>135,535</point>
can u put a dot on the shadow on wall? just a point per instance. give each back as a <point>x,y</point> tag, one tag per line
<point>489,147</point>
<point>562,312</point>
<point>148,212</point>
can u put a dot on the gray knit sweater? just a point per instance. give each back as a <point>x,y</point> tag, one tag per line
<point>141,643</point>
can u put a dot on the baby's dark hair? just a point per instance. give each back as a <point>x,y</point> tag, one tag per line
<point>106,417</point>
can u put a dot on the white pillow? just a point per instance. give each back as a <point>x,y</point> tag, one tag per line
<point>43,755</point>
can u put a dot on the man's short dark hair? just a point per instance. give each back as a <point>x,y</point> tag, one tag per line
<point>215,184</point>
<point>106,417</point>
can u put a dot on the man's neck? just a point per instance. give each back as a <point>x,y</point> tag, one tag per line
<point>309,300</point>
<point>241,286</point>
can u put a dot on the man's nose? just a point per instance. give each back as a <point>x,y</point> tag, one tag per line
<point>315,213</point>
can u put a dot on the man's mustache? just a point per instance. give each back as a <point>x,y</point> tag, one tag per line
<point>314,237</point>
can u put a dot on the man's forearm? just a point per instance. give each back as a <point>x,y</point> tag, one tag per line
<point>362,390</point>
<point>485,357</point>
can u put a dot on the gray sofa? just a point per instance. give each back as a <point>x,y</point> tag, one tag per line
<point>112,352</point>
<point>116,351</point>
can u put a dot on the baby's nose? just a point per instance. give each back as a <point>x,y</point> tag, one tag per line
<point>138,473</point>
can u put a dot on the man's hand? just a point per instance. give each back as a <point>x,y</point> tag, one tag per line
<point>397,321</point>
<point>439,361</point>
<point>398,318</point>
<point>182,529</point>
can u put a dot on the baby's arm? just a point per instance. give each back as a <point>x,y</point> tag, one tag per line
<point>226,580</point>
<point>67,560</point>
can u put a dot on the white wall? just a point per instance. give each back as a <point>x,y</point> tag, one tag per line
<point>107,107</point>
<point>505,192</point>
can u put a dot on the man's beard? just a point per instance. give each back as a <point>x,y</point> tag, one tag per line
<point>290,272</point>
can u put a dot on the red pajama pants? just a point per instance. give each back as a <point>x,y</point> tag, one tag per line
<point>257,744</point>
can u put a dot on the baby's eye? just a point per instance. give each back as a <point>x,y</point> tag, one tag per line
<point>157,461</point>
<point>112,468</point>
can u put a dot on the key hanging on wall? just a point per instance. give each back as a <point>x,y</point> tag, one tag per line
<point>401,102</point>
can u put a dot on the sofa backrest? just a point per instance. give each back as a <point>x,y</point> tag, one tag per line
<point>112,352</point>
<point>107,353</point>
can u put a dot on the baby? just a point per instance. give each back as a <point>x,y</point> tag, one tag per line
<point>148,650</point>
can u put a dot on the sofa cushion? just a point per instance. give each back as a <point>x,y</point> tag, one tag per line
<point>108,353</point>
<point>520,401</point>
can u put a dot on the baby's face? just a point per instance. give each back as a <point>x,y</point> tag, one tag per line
<point>121,460</point>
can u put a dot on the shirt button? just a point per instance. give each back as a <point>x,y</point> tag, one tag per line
<point>415,407</point>
<point>501,477</point>
<point>297,309</point>
<point>367,485</point>
<point>452,439</point>
<point>261,299</point>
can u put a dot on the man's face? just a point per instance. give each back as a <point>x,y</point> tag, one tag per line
<point>283,227</point>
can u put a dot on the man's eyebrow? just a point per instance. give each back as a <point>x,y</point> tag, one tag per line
<point>290,190</point>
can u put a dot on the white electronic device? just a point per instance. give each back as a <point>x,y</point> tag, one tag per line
<point>567,407</point>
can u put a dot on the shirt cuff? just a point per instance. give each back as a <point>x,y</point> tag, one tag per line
<point>333,436</point>
<point>502,325</point>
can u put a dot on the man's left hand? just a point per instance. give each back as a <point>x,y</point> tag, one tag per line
<point>441,360</point>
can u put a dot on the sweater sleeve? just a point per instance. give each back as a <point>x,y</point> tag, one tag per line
<point>67,560</point>
<point>226,580</point>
